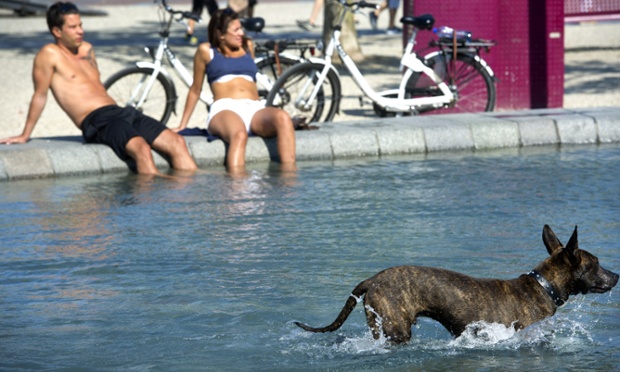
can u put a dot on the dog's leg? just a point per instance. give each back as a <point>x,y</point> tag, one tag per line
<point>374,322</point>
<point>397,330</point>
<point>383,318</point>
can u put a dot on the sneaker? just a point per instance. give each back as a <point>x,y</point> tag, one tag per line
<point>191,39</point>
<point>393,31</point>
<point>306,25</point>
<point>373,20</point>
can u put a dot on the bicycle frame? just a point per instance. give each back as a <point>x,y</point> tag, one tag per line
<point>181,71</point>
<point>178,67</point>
<point>410,61</point>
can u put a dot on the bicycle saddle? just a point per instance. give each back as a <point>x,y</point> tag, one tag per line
<point>255,24</point>
<point>423,22</point>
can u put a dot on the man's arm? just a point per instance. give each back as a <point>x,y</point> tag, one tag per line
<point>42,73</point>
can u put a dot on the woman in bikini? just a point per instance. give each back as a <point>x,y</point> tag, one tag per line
<point>228,62</point>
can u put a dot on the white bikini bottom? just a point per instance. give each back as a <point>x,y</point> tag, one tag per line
<point>245,108</point>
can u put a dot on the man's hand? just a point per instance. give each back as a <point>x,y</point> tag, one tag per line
<point>16,139</point>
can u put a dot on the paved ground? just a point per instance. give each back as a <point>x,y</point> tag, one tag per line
<point>592,59</point>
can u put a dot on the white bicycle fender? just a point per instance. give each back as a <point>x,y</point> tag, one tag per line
<point>475,56</point>
<point>485,65</point>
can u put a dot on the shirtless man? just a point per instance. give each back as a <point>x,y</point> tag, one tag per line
<point>69,68</point>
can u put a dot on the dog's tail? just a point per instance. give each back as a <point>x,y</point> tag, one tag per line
<point>353,299</point>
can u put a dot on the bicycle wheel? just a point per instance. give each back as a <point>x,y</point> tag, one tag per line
<point>127,86</point>
<point>268,66</point>
<point>292,91</point>
<point>471,83</point>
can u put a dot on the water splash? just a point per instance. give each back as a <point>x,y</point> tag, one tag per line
<point>568,331</point>
<point>482,334</point>
<point>324,346</point>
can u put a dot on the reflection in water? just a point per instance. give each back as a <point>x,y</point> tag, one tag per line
<point>243,209</point>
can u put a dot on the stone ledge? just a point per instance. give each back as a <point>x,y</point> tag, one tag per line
<point>59,156</point>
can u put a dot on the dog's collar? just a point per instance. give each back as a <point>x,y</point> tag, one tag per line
<point>547,286</point>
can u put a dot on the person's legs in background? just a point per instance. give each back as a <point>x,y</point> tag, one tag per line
<point>197,6</point>
<point>311,22</point>
<point>374,15</point>
<point>392,9</point>
<point>392,6</point>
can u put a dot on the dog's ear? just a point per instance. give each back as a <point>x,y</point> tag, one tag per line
<point>551,241</point>
<point>573,244</point>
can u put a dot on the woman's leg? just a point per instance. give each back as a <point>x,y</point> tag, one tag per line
<point>229,127</point>
<point>270,122</point>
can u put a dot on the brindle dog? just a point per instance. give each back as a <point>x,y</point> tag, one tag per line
<point>395,297</point>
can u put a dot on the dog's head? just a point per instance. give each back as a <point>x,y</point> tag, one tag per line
<point>581,269</point>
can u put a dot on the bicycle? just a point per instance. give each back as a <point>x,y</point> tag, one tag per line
<point>455,77</point>
<point>149,87</point>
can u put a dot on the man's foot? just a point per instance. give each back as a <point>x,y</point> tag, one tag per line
<point>191,39</point>
<point>306,25</point>
<point>373,20</point>
<point>393,31</point>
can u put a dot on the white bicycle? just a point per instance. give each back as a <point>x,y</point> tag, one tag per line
<point>149,87</point>
<point>455,77</point>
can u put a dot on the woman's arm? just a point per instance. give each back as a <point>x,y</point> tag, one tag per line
<point>201,59</point>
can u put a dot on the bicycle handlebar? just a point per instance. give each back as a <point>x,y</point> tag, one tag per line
<point>183,14</point>
<point>359,4</point>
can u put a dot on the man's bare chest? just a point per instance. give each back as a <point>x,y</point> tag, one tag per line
<point>77,69</point>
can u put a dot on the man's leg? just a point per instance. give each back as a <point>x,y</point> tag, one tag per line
<point>115,127</point>
<point>391,23</point>
<point>173,145</point>
<point>392,8</point>
<point>140,151</point>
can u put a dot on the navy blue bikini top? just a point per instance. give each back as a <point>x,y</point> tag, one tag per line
<point>222,69</point>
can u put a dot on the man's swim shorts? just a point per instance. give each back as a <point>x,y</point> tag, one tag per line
<point>115,126</point>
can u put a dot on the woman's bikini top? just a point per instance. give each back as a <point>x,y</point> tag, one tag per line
<point>222,69</point>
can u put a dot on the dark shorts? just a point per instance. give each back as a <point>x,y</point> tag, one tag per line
<point>197,6</point>
<point>115,126</point>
